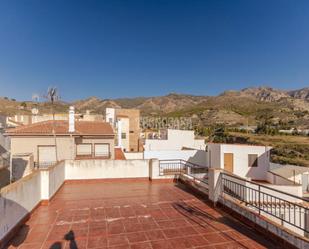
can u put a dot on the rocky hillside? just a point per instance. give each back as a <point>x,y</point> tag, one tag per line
<point>231,107</point>
<point>249,105</point>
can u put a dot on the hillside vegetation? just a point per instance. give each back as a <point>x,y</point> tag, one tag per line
<point>286,149</point>
<point>246,107</point>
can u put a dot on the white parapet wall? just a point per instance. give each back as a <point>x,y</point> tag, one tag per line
<point>51,180</point>
<point>106,169</point>
<point>17,200</point>
<point>193,156</point>
<point>134,155</point>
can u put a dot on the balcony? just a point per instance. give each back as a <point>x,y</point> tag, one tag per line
<point>132,214</point>
<point>133,204</point>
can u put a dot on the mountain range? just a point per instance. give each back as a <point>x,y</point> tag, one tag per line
<point>247,106</point>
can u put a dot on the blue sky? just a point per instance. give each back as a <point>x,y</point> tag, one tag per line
<point>124,48</point>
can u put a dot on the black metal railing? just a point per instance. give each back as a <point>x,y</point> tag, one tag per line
<point>284,207</point>
<point>179,166</point>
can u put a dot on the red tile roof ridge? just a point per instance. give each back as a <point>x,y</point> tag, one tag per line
<point>61,127</point>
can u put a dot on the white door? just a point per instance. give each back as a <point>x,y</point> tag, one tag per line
<point>101,150</point>
<point>47,155</point>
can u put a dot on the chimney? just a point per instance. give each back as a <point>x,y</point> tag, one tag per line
<point>71,119</point>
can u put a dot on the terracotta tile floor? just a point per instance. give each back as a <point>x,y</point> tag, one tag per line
<point>135,215</point>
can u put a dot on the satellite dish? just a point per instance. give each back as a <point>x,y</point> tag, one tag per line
<point>35,111</point>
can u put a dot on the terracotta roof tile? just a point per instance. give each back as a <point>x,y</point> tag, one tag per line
<point>62,127</point>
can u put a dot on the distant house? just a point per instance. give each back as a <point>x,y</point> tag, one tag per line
<point>127,126</point>
<point>297,174</point>
<point>170,139</point>
<point>247,161</point>
<point>123,132</point>
<point>52,141</point>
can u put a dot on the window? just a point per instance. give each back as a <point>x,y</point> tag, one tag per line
<point>123,135</point>
<point>46,155</point>
<point>252,160</point>
<point>83,150</point>
<point>101,150</point>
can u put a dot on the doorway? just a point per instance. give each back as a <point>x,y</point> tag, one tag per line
<point>229,162</point>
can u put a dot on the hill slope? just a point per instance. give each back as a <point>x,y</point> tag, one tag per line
<point>231,107</point>
<point>249,105</point>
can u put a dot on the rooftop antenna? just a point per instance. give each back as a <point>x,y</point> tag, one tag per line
<point>35,99</point>
<point>53,96</point>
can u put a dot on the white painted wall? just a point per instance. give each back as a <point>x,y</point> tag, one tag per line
<point>110,115</point>
<point>292,172</point>
<point>278,180</point>
<point>56,178</point>
<point>241,153</point>
<point>125,143</point>
<point>176,140</point>
<point>214,156</point>
<point>106,169</point>
<point>17,200</point>
<point>134,155</point>
<point>193,156</point>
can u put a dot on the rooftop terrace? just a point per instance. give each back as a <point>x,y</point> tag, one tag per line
<point>132,214</point>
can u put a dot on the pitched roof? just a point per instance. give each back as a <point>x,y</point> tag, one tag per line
<point>62,127</point>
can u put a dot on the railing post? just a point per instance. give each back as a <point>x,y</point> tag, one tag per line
<point>259,189</point>
<point>188,170</point>
<point>214,184</point>
<point>306,222</point>
<point>154,169</point>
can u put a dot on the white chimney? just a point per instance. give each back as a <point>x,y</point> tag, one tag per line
<point>71,119</point>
